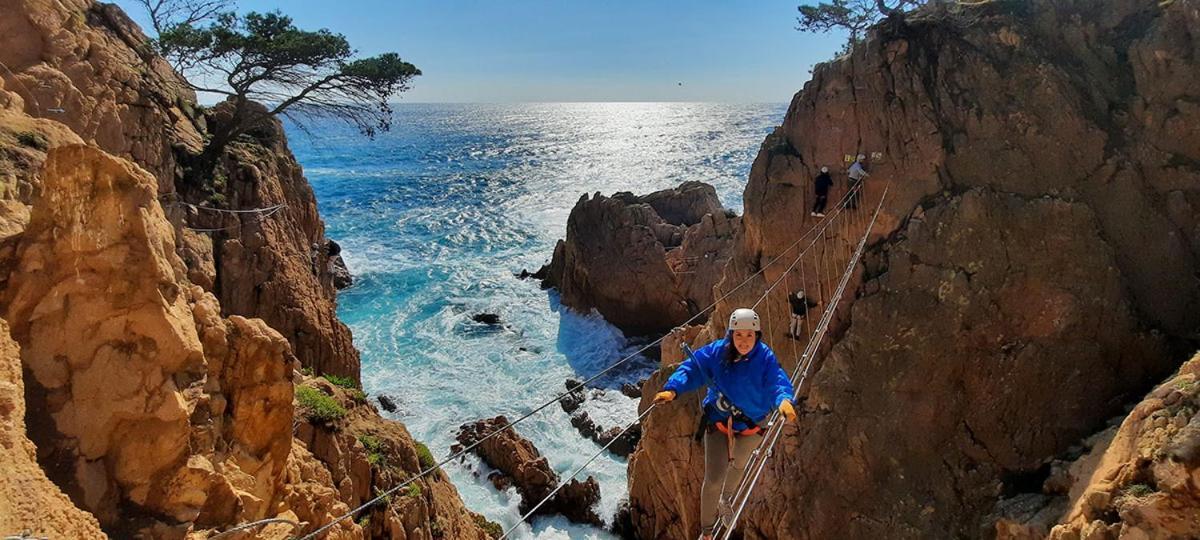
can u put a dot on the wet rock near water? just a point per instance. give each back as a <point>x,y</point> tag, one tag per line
<point>572,401</point>
<point>539,275</point>
<point>633,391</point>
<point>585,426</point>
<point>519,463</point>
<point>624,443</point>
<point>622,523</point>
<point>490,319</point>
<point>387,403</point>
<point>341,275</point>
<point>577,500</point>
<point>672,243</point>
<point>583,423</point>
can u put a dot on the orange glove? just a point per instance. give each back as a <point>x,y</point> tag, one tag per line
<point>664,396</point>
<point>788,412</point>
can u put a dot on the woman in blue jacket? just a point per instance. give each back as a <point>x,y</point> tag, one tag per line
<point>745,383</point>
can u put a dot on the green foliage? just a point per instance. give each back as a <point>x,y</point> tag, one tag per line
<point>372,443</point>
<point>493,529</point>
<point>264,57</point>
<point>33,140</point>
<point>318,407</point>
<point>306,371</point>
<point>425,456</point>
<point>215,189</point>
<point>376,450</point>
<point>854,16</point>
<point>387,499</point>
<point>1138,490</point>
<point>413,490</point>
<point>344,382</point>
<point>350,385</point>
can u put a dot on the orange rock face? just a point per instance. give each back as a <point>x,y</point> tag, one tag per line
<point>28,500</point>
<point>276,268</point>
<point>87,66</point>
<point>1144,482</point>
<point>671,245</point>
<point>366,455</point>
<point>159,409</point>
<point>156,401</point>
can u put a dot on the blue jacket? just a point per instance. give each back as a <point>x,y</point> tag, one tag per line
<point>756,385</point>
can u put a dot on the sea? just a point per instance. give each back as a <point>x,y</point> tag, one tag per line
<point>438,216</point>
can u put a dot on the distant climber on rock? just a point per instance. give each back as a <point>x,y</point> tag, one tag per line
<point>800,305</point>
<point>822,184</point>
<point>857,174</point>
<point>745,384</point>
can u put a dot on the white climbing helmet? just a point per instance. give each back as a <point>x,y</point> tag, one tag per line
<point>824,169</point>
<point>744,319</point>
<point>862,157</point>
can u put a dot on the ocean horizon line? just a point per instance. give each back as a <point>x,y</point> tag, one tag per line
<point>630,102</point>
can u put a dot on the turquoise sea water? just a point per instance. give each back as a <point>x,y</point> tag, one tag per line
<point>436,216</point>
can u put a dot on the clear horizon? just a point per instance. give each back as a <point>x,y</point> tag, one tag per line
<point>542,51</point>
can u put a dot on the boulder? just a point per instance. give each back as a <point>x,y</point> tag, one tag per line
<point>672,245</point>
<point>517,459</point>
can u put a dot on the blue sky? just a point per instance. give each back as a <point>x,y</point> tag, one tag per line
<point>545,50</point>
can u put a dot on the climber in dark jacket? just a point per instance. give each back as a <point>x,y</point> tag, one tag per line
<point>745,384</point>
<point>822,184</point>
<point>800,305</point>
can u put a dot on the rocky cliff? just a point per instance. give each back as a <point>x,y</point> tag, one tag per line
<point>28,500</point>
<point>162,337</point>
<point>647,263</point>
<point>87,66</point>
<point>1139,478</point>
<point>1031,273</point>
<point>1143,479</point>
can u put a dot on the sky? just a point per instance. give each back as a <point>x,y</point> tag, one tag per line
<point>566,50</point>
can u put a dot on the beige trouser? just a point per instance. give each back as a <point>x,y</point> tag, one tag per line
<point>797,325</point>
<point>717,471</point>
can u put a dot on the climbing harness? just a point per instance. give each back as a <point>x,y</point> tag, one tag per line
<point>724,405</point>
<point>758,459</point>
<point>734,414</point>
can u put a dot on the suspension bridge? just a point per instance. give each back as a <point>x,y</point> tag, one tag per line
<point>822,259</point>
